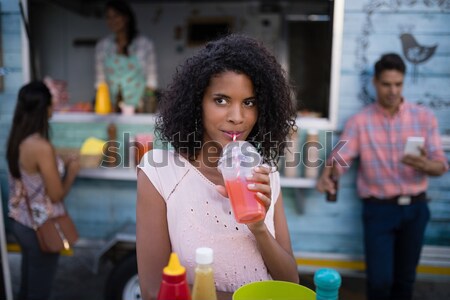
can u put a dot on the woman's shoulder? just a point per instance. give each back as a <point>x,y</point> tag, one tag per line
<point>142,40</point>
<point>160,159</point>
<point>37,144</point>
<point>104,42</point>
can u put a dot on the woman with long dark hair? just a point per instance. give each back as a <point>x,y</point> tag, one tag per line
<point>39,176</point>
<point>125,60</point>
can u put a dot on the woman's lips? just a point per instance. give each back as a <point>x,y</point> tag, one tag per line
<point>233,134</point>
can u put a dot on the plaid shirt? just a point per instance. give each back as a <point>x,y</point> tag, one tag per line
<point>379,140</point>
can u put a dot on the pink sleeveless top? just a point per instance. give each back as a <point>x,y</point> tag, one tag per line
<point>198,216</point>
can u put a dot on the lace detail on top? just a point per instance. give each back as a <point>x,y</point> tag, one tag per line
<point>198,216</point>
<point>41,206</point>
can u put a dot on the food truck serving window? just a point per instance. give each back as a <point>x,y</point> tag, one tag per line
<point>313,55</point>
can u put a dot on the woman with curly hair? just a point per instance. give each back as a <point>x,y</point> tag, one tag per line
<point>233,87</point>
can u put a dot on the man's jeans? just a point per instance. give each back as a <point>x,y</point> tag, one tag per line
<point>393,238</point>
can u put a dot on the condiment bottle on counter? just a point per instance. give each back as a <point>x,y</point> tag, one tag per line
<point>204,287</point>
<point>327,283</point>
<point>102,100</point>
<point>173,285</point>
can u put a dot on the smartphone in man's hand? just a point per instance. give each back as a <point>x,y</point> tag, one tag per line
<point>413,145</point>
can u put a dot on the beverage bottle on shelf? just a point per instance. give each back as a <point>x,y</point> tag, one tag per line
<point>204,287</point>
<point>327,283</point>
<point>174,285</point>
<point>334,177</point>
<point>312,154</point>
<point>291,167</point>
<point>102,100</point>
<point>119,100</point>
<point>111,152</point>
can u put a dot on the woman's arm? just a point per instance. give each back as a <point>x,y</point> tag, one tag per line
<point>276,252</point>
<point>56,187</point>
<point>152,237</point>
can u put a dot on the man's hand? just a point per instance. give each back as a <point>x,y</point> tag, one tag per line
<point>325,184</point>
<point>422,164</point>
<point>417,162</point>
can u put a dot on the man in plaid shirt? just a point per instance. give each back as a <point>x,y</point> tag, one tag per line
<point>391,184</point>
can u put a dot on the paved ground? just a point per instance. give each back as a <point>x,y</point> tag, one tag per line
<point>75,280</point>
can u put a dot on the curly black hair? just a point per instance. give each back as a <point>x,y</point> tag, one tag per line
<point>180,118</point>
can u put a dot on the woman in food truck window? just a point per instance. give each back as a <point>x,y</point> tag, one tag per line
<point>125,60</point>
<point>232,87</point>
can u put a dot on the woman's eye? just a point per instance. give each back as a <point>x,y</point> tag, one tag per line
<point>220,100</point>
<point>249,103</point>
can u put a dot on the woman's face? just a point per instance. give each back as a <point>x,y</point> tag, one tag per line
<point>116,21</point>
<point>229,108</point>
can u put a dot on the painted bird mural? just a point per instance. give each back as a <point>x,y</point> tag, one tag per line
<point>414,52</point>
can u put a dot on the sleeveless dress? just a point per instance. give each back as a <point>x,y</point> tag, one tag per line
<point>198,216</point>
<point>42,207</point>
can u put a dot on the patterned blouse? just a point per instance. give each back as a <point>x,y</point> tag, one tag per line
<point>41,206</point>
<point>141,47</point>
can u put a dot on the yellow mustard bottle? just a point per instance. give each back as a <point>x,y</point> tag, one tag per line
<point>204,287</point>
<point>102,100</point>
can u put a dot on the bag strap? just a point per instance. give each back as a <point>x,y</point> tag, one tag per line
<point>27,201</point>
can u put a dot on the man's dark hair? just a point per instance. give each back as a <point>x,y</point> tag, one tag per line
<point>389,61</point>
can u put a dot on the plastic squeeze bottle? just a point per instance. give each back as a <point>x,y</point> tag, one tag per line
<point>327,283</point>
<point>173,285</point>
<point>102,100</point>
<point>204,287</point>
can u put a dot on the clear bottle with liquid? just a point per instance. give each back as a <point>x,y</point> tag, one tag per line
<point>204,287</point>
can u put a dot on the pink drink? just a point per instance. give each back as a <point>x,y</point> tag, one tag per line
<point>246,206</point>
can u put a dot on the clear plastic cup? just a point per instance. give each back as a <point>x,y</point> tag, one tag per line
<point>236,163</point>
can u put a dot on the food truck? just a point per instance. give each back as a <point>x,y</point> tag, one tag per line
<point>327,48</point>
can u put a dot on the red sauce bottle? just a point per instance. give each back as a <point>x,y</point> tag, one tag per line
<point>174,285</point>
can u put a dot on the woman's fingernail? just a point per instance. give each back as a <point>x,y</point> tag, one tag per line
<point>249,177</point>
<point>251,186</point>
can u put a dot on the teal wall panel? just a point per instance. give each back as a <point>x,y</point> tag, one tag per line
<point>11,49</point>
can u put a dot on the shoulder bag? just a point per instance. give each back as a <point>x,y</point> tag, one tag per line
<point>56,233</point>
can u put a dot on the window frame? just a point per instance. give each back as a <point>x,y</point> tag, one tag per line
<point>331,122</point>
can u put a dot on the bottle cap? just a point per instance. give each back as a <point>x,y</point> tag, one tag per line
<point>327,278</point>
<point>174,267</point>
<point>204,255</point>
